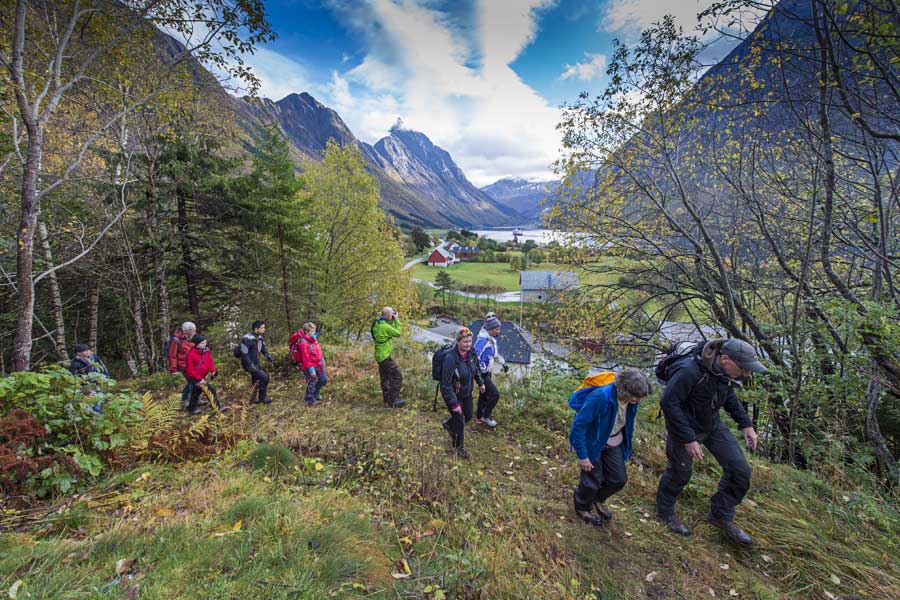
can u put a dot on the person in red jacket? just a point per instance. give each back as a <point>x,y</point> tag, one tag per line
<point>178,346</point>
<point>312,363</point>
<point>200,370</point>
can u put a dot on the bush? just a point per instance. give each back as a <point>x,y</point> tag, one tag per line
<point>275,459</point>
<point>61,404</point>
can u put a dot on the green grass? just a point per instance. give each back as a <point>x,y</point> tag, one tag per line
<point>371,487</point>
<point>492,274</point>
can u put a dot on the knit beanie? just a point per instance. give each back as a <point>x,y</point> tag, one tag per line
<point>491,323</point>
<point>197,339</point>
<point>463,332</point>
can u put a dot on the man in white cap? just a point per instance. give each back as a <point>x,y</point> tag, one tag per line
<point>699,384</point>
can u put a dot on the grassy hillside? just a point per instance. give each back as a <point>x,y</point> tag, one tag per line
<point>358,501</point>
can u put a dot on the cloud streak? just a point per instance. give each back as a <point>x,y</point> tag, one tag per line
<point>592,67</point>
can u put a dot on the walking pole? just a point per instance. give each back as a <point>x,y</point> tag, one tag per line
<point>252,391</point>
<point>434,404</point>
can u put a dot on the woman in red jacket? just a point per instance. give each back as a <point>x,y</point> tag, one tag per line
<point>312,364</point>
<point>199,370</point>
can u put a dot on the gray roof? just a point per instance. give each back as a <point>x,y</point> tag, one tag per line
<point>513,346</point>
<point>546,280</point>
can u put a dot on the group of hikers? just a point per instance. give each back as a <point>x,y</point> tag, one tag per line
<point>188,353</point>
<point>699,379</point>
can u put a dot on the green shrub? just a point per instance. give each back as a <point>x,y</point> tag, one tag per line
<point>275,459</point>
<point>62,404</point>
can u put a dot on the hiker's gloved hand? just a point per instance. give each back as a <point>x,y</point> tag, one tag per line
<point>481,388</point>
<point>505,368</point>
<point>213,375</point>
<point>457,409</point>
<point>585,464</point>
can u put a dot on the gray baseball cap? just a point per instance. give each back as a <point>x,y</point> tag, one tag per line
<point>743,354</point>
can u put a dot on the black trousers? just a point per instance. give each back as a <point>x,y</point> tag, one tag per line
<point>733,485</point>
<point>391,380</point>
<point>457,421</point>
<point>263,388</point>
<point>487,400</point>
<point>195,396</point>
<point>607,477</point>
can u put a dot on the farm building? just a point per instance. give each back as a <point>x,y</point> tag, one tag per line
<point>441,257</point>
<point>543,286</point>
<point>464,252</point>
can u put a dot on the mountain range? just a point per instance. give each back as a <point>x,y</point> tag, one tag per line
<point>420,182</point>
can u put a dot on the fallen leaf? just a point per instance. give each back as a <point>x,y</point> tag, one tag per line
<point>835,579</point>
<point>628,534</point>
<point>319,466</point>
<point>651,576</point>
<point>767,558</point>
<point>237,526</point>
<point>712,592</point>
<point>733,593</point>
<point>13,591</point>
<point>845,498</point>
<point>165,512</point>
<point>830,596</point>
<point>406,542</point>
<point>401,570</point>
<point>751,503</point>
<point>724,567</point>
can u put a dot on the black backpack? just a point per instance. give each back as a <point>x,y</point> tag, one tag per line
<point>237,351</point>
<point>675,353</point>
<point>437,361</point>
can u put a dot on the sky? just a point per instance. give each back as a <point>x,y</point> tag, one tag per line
<point>483,79</point>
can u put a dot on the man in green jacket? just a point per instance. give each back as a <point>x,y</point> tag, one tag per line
<point>384,330</point>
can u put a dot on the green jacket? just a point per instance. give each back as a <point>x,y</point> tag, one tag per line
<point>383,332</point>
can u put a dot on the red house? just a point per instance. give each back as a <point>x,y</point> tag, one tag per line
<point>440,257</point>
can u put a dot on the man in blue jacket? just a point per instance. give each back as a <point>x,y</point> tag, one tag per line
<point>601,437</point>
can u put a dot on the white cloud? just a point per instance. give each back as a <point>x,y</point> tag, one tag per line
<point>631,16</point>
<point>279,75</point>
<point>592,67</point>
<point>454,85</point>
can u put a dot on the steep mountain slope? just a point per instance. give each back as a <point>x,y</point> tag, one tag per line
<point>414,160</point>
<point>522,195</point>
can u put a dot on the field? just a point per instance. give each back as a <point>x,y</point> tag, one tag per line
<point>349,500</point>
<point>494,274</point>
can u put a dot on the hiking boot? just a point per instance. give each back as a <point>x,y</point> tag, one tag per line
<point>589,517</point>
<point>732,531</point>
<point>267,400</point>
<point>395,404</point>
<point>489,422</point>
<point>479,421</point>
<point>674,524</point>
<point>313,403</point>
<point>446,424</point>
<point>196,411</point>
<point>223,410</point>
<point>604,512</point>
<point>318,396</point>
<point>462,452</point>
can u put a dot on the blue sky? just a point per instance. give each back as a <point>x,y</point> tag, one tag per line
<point>484,79</point>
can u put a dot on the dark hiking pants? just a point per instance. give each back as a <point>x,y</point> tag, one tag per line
<point>263,388</point>
<point>391,380</point>
<point>605,479</point>
<point>733,485</point>
<point>314,386</point>
<point>456,424</point>
<point>487,400</point>
<point>195,396</point>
